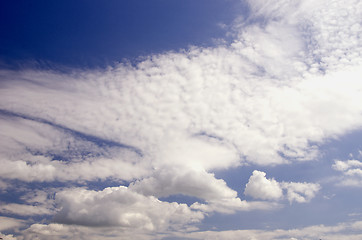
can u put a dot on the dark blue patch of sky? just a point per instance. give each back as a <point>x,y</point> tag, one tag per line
<point>95,33</point>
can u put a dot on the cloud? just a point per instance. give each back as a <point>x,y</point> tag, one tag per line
<point>232,205</point>
<point>301,192</point>
<point>348,230</point>
<point>329,33</point>
<point>120,206</point>
<point>63,231</point>
<point>7,236</point>
<point>260,187</point>
<point>351,170</point>
<point>3,185</point>
<point>346,166</point>
<point>128,209</point>
<point>235,93</point>
<point>218,197</point>
<point>24,210</point>
<point>289,81</point>
<point>9,223</point>
<point>32,202</point>
<point>36,151</point>
<point>169,181</point>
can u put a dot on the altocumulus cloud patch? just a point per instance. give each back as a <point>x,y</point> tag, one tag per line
<point>289,81</point>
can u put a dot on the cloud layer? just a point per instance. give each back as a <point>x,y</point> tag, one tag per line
<point>289,81</point>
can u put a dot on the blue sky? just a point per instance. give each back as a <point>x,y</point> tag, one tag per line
<point>95,33</point>
<point>187,119</point>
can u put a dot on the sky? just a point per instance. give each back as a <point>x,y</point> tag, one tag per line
<point>222,119</point>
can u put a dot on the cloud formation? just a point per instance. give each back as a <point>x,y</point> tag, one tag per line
<point>347,230</point>
<point>120,206</point>
<point>350,230</point>
<point>288,81</point>
<point>351,170</point>
<point>8,223</point>
<point>260,187</point>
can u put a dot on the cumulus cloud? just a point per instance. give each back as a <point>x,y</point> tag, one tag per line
<point>260,187</point>
<point>120,206</point>
<point>200,184</point>
<point>351,170</point>
<point>218,197</point>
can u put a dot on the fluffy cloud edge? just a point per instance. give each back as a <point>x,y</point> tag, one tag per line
<point>259,187</point>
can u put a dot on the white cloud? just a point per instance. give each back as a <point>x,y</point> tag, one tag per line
<point>27,148</point>
<point>301,192</point>
<point>24,210</point>
<point>8,236</point>
<point>232,205</point>
<point>8,223</point>
<point>33,202</point>
<point>329,30</point>
<point>351,170</point>
<point>349,230</point>
<point>172,181</point>
<point>44,169</point>
<point>217,195</point>
<point>345,166</point>
<point>284,85</point>
<point>62,231</point>
<point>236,93</point>
<point>128,209</point>
<point>120,206</point>
<point>260,187</point>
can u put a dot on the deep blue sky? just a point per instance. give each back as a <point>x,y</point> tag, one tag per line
<point>98,33</point>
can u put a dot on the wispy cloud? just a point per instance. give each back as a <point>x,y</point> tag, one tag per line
<point>349,230</point>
